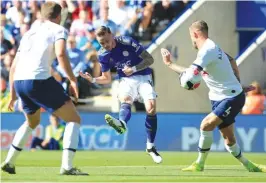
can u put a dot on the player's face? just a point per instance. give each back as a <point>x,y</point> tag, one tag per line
<point>193,38</point>
<point>106,41</point>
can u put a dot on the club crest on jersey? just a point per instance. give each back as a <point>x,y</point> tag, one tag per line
<point>196,72</point>
<point>125,53</point>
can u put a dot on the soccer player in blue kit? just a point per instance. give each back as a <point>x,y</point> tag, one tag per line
<point>132,62</point>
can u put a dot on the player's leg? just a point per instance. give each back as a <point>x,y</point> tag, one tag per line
<point>125,108</point>
<point>126,95</point>
<point>147,93</point>
<point>69,114</point>
<point>150,122</point>
<point>233,148</point>
<point>32,115</point>
<point>151,129</point>
<point>20,139</point>
<point>124,115</point>
<point>57,102</point>
<point>206,138</point>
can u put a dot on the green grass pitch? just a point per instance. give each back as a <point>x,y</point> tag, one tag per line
<point>124,166</point>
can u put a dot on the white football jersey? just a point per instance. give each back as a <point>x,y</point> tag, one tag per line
<point>217,72</point>
<point>36,51</point>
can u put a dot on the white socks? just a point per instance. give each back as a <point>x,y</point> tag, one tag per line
<point>19,141</point>
<point>149,145</point>
<point>236,152</point>
<point>205,142</point>
<point>70,144</point>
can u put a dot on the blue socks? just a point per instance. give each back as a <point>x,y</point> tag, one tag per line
<point>151,127</point>
<point>150,123</point>
<point>125,112</point>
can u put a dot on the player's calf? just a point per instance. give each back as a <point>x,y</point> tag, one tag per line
<point>125,112</point>
<point>206,138</point>
<point>234,149</point>
<point>151,130</point>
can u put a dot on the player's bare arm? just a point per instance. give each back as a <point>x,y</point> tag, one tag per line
<point>236,72</point>
<point>167,61</point>
<point>234,66</point>
<point>105,78</point>
<point>60,51</point>
<point>13,97</point>
<point>147,60</point>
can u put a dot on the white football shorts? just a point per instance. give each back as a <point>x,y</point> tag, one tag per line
<point>139,88</point>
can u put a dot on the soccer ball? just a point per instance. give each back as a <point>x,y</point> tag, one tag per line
<point>190,79</point>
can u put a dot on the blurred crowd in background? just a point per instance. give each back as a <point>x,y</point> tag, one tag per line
<point>140,19</point>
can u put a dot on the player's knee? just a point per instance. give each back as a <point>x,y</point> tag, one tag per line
<point>207,125</point>
<point>151,109</point>
<point>78,119</point>
<point>75,118</point>
<point>33,123</point>
<point>126,99</point>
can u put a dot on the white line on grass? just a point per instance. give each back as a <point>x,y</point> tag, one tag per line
<point>140,166</point>
<point>131,182</point>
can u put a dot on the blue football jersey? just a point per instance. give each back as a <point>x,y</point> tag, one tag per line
<point>126,53</point>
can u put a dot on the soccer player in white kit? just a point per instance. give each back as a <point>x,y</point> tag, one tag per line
<point>227,96</point>
<point>30,79</point>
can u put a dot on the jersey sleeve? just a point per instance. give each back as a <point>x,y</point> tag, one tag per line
<point>104,63</point>
<point>133,44</point>
<point>61,33</point>
<point>137,47</point>
<point>203,59</point>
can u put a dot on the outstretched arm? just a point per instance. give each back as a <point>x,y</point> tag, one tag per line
<point>105,78</point>
<point>167,61</point>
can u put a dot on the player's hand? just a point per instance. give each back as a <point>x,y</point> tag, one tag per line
<point>248,88</point>
<point>86,76</point>
<point>166,56</point>
<point>128,71</point>
<point>74,90</point>
<point>11,104</point>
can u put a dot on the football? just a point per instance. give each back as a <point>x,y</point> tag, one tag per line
<point>190,79</point>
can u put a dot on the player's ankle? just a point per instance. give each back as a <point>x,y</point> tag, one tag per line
<point>149,145</point>
<point>200,163</point>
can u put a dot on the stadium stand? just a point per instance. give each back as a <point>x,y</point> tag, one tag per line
<point>81,18</point>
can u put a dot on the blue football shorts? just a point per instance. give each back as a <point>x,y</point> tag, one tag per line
<point>228,109</point>
<point>34,94</point>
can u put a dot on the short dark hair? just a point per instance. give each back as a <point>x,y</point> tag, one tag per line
<point>50,10</point>
<point>201,25</point>
<point>102,31</point>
